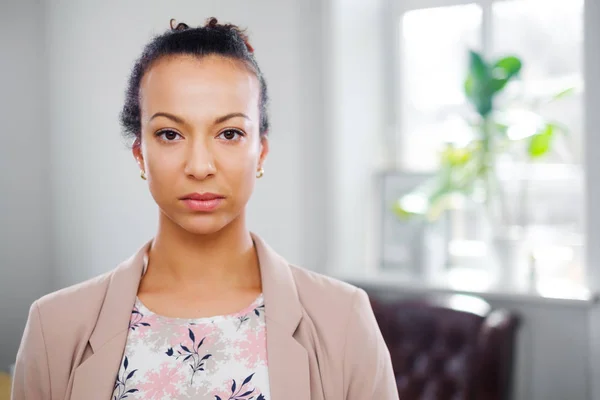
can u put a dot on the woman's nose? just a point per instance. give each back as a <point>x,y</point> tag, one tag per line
<point>200,162</point>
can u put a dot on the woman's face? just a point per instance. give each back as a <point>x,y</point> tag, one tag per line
<point>200,142</point>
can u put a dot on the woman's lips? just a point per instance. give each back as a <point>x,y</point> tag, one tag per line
<point>204,202</point>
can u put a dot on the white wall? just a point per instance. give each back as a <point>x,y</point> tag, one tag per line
<point>102,211</point>
<point>25,259</point>
<point>354,68</point>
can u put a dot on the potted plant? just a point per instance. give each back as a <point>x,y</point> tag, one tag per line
<point>470,169</point>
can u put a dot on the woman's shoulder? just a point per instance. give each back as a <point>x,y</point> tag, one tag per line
<point>339,317</point>
<point>77,294</point>
<point>75,305</point>
<point>88,297</point>
<point>315,283</point>
<point>328,299</point>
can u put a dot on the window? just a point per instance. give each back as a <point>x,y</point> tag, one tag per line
<point>433,47</point>
<point>432,42</point>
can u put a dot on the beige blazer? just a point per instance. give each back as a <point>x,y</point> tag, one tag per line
<point>323,342</point>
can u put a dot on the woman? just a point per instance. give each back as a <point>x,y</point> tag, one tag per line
<point>205,310</point>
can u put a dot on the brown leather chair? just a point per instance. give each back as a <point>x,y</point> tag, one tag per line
<point>450,347</point>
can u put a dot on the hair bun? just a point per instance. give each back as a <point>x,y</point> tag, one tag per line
<point>212,22</point>
<point>179,27</point>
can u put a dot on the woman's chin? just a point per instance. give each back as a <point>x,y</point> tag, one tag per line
<point>203,224</point>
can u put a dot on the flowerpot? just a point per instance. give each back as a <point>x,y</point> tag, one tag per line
<point>509,251</point>
<point>469,234</point>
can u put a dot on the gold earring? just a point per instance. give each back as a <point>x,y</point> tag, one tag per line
<point>143,174</point>
<point>260,173</point>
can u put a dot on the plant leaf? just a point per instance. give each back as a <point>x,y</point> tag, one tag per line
<point>511,65</point>
<point>501,129</point>
<point>539,144</point>
<point>562,94</point>
<point>478,68</point>
<point>455,156</point>
<point>192,336</point>
<point>477,84</point>
<point>503,71</point>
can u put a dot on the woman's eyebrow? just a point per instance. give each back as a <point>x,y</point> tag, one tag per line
<point>224,118</point>
<point>169,116</point>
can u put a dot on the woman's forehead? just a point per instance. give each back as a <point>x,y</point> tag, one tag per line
<point>187,82</point>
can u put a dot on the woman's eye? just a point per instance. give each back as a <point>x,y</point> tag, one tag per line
<point>168,135</point>
<point>230,134</point>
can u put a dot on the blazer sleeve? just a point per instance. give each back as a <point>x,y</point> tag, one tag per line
<point>31,379</point>
<point>368,372</point>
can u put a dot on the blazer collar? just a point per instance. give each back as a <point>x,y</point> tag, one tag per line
<point>287,359</point>
<point>120,298</point>
<point>279,287</point>
<point>289,374</point>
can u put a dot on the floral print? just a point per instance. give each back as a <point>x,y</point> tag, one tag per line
<point>121,391</point>
<point>242,393</point>
<point>216,358</point>
<point>196,363</point>
<point>162,382</point>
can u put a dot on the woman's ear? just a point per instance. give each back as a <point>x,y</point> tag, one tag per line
<point>136,150</point>
<point>264,150</point>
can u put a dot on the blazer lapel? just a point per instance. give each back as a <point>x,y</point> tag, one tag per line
<point>289,375</point>
<point>95,377</point>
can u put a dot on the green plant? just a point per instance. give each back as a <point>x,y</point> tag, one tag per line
<point>469,169</point>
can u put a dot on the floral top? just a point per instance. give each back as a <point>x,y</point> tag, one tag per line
<point>216,358</point>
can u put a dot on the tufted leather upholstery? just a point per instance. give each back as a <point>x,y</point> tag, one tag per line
<point>448,347</point>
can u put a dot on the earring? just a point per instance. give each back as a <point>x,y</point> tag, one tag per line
<point>143,174</point>
<point>260,173</point>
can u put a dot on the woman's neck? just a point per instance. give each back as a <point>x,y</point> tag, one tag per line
<point>223,260</point>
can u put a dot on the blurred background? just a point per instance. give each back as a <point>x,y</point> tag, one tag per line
<point>439,153</point>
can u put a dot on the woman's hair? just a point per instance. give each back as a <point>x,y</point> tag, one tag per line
<point>211,39</point>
